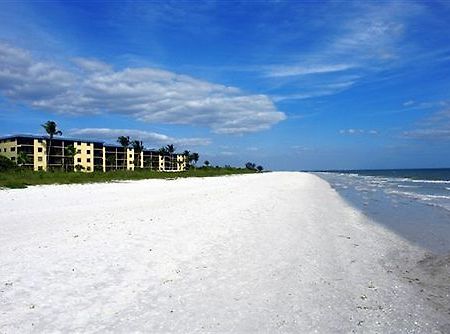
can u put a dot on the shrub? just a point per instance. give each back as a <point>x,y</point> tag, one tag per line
<point>6,164</point>
<point>250,165</point>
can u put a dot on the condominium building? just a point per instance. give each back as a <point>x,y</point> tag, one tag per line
<point>31,152</point>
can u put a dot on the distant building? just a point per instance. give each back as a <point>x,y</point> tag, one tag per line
<point>89,155</point>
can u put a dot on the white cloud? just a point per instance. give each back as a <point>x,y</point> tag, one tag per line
<point>91,65</point>
<point>149,138</point>
<point>146,94</point>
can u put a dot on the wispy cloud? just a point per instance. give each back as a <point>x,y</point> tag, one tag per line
<point>227,153</point>
<point>146,94</point>
<point>326,89</point>
<point>294,70</point>
<point>412,104</point>
<point>434,127</point>
<point>358,132</point>
<point>366,40</point>
<point>148,137</point>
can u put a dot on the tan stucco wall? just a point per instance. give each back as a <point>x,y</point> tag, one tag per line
<point>161,163</point>
<point>104,159</point>
<point>84,156</point>
<point>130,159</point>
<point>5,149</point>
<point>181,162</point>
<point>40,158</point>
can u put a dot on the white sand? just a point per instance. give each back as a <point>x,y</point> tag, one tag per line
<point>265,253</point>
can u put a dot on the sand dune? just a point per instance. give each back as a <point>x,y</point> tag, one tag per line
<point>251,253</point>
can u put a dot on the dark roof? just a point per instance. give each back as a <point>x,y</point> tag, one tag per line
<point>46,137</point>
<point>29,136</point>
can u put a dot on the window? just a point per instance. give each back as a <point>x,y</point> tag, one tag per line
<point>79,160</point>
<point>88,151</point>
<point>13,158</point>
<point>78,142</point>
<point>39,149</point>
<point>88,168</point>
<point>78,151</point>
<point>131,155</point>
<point>13,149</point>
<point>131,162</point>
<point>88,160</point>
<point>39,167</point>
<point>39,158</point>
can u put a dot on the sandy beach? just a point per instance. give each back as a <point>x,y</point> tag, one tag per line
<point>275,252</point>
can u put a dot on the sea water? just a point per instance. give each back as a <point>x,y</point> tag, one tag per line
<point>414,203</point>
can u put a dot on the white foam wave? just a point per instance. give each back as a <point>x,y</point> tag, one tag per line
<point>418,196</point>
<point>430,181</point>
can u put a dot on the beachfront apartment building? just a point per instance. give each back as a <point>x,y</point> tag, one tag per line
<point>31,152</point>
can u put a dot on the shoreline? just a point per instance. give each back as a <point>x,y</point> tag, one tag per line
<point>424,224</point>
<point>261,252</point>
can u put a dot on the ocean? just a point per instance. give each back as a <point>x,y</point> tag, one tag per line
<point>414,203</point>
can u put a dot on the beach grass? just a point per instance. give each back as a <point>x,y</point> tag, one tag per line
<point>22,178</point>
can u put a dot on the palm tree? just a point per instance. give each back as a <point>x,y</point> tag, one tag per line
<point>163,151</point>
<point>194,157</point>
<point>260,168</point>
<point>125,142</point>
<point>111,161</point>
<point>207,163</point>
<point>250,165</point>
<point>170,149</point>
<point>22,159</point>
<point>69,154</point>
<point>51,129</point>
<point>138,148</point>
<point>187,156</point>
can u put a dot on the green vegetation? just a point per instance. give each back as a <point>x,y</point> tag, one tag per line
<point>125,142</point>
<point>6,164</point>
<point>138,147</point>
<point>21,178</point>
<point>69,154</point>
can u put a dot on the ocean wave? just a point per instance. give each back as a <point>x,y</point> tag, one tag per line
<point>406,186</point>
<point>418,196</point>
<point>430,181</point>
<point>405,179</point>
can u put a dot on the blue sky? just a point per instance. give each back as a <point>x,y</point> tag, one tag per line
<point>289,85</point>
